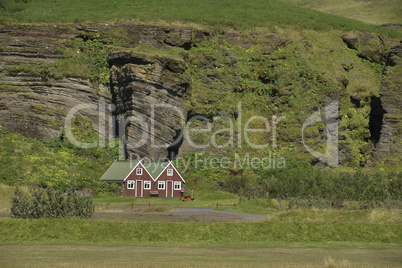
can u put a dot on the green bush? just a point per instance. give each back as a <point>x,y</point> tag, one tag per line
<point>50,203</point>
<point>300,185</point>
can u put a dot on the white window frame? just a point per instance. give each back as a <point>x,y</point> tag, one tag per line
<point>169,172</point>
<point>147,183</point>
<point>139,171</point>
<point>177,183</point>
<point>132,183</point>
<point>161,183</point>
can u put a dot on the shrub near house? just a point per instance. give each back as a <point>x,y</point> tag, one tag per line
<point>50,203</point>
<point>146,179</point>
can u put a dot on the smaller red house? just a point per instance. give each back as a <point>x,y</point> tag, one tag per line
<point>138,183</point>
<point>169,182</point>
<point>146,179</point>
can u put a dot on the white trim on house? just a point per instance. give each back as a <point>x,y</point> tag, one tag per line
<point>167,187</point>
<point>133,184</point>
<point>143,168</point>
<point>142,188</point>
<point>161,188</point>
<point>162,171</point>
<point>169,172</point>
<point>131,171</point>
<point>138,171</point>
<point>170,163</point>
<point>150,186</point>
<point>177,183</point>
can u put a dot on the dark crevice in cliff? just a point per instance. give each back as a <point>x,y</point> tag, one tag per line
<point>187,46</point>
<point>122,134</point>
<point>376,118</point>
<point>192,116</point>
<point>121,59</point>
<point>173,149</point>
<point>114,107</point>
<point>84,37</point>
<point>355,102</point>
<point>114,125</point>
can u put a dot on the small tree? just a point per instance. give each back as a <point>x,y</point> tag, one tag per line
<point>19,204</point>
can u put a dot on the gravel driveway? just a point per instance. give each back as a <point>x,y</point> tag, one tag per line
<point>185,214</point>
<point>180,214</point>
<point>201,211</point>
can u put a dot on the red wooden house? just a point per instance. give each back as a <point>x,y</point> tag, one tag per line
<point>145,180</point>
<point>169,182</point>
<point>138,182</point>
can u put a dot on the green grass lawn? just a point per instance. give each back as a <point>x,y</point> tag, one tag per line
<point>224,13</point>
<point>202,198</point>
<point>289,240</point>
<point>285,230</point>
<point>297,238</point>
<point>191,256</point>
<point>369,11</point>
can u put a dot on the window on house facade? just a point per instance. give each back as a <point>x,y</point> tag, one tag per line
<point>147,185</point>
<point>161,185</point>
<point>130,184</point>
<point>177,185</point>
<point>139,171</point>
<point>170,172</point>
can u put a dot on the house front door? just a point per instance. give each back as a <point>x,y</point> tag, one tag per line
<point>169,189</point>
<point>138,189</point>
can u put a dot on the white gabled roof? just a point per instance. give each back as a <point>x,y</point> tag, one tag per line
<point>170,163</point>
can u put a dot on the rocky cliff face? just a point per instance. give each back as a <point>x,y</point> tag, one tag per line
<point>31,103</point>
<point>390,141</point>
<point>386,114</point>
<point>142,81</point>
<point>36,104</point>
<point>149,96</point>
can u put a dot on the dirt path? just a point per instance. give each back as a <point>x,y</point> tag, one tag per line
<point>197,211</point>
<point>181,214</point>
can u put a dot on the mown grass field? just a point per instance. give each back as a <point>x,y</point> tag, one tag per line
<point>185,255</point>
<point>369,11</point>
<point>296,238</point>
<point>292,239</point>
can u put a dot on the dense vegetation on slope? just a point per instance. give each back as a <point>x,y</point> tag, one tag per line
<point>52,163</point>
<point>304,73</point>
<point>299,185</point>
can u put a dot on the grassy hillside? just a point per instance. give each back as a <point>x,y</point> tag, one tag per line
<point>368,11</point>
<point>292,81</point>
<point>52,163</point>
<point>233,13</point>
